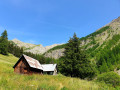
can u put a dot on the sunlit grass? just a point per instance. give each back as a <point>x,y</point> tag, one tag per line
<point>12,81</point>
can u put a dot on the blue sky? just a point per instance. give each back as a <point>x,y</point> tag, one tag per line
<point>48,22</point>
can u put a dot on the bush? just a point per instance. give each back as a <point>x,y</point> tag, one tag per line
<point>109,78</point>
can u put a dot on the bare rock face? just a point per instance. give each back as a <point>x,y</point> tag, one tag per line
<point>55,53</point>
<point>39,49</point>
<point>22,44</point>
<point>35,49</point>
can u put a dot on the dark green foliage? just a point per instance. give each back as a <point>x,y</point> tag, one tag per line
<point>109,78</point>
<point>4,43</point>
<point>95,33</point>
<point>14,49</point>
<point>103,67</point>
<point>109,56</point>
<point>75,62</point>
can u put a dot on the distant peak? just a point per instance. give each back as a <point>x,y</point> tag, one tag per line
<point>15,39</point>
<point>119,17</point>
<point>116,20</point>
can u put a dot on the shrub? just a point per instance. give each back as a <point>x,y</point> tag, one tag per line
<point>110,78</point>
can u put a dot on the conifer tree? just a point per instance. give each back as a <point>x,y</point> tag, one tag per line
<point>74,63</point>
<point>104,67</point>
<point>4,43</point>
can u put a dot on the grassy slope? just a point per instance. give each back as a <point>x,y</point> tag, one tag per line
<point>12,81</point>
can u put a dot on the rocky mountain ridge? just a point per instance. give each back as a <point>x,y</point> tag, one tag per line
<point>36,49</point>
<point>99,37</point>
<point>94,40</point>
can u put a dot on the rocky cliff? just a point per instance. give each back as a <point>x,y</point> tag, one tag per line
<point>36,49</point>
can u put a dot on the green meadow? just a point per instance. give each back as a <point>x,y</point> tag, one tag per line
<point>12,81</point>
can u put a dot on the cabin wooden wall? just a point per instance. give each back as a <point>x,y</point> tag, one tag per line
<point>23,68</point>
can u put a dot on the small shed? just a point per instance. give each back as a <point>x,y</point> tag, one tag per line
<point>50,69</point>
<point>28,65</point>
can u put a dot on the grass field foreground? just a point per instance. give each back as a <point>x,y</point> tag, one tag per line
<point>12,81</point>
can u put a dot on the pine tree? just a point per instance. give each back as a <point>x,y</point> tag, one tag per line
<point>4,43</point>
<point>104,67</point>
<point>74,63</point>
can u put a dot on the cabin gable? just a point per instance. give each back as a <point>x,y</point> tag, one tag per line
<point>22,67</point>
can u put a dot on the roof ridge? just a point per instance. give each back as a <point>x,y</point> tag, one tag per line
<point>32,62</point>
<point>29,57</point>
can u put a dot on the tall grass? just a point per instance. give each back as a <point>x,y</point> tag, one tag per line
<point>12,81</point>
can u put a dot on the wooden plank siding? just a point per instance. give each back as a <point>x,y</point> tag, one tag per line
<point>23,68</point>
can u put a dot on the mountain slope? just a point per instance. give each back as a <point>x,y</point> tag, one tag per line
<point>92,42</point>
<point>95,40</point>
<point>36,49</point>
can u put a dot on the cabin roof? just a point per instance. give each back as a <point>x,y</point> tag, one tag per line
<point>33,62</point>
<point>49,67</point>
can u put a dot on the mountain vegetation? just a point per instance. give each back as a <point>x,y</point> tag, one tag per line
<point>75,63</point>
<point>110,78</point>
<point>102,47</point>
<point>4,43</point>
<point>12,81</point>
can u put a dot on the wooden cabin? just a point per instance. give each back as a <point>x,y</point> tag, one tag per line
<point>28,65</point>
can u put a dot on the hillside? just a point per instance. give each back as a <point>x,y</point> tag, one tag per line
<point>94,41</point>
<point>36,49</point>
<point>12,81</point>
